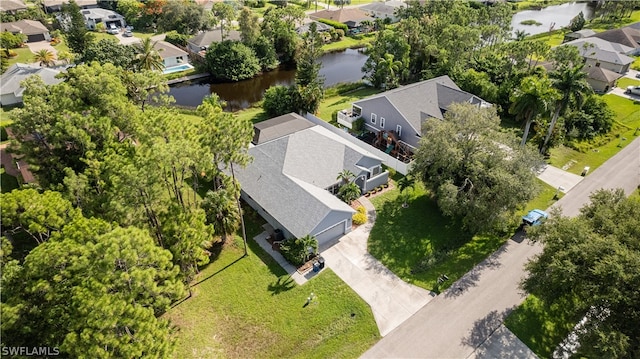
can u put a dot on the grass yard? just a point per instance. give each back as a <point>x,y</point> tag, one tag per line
<point>24,56</point>
<point>349,43</point>
<point>626,129</point>
<point>342,101</point>
<point>625,81</point>
<point>250,308</point>
<point>541,328</point>
<point>636,63</point>
<point>406,239</point>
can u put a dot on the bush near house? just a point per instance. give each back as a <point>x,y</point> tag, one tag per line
<point>335,24</point>
<point>175,38</point>
<point>296,251</point>
<point>359,218</point>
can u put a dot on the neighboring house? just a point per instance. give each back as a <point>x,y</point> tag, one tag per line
<point>578,35</point>
<point>320,27</point>
<point>294,173</point>
<point>398,115</point>
<point>56,5</point>
<point>95,16</point>
<point>384,10</point>
<point>595,42</point>
<point>10,88</point>
<point>171,55</point>
<point>353,18</point>
<point>202,41</point>
<point>34,30</point>
<point>601,79</point>
<point>12,6</point>
<point>609,60</point>
<point>626,36</point>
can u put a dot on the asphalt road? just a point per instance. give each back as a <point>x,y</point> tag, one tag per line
<point>461,319</point>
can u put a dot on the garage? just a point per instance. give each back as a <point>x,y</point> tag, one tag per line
<point>331,233</point>
<point>36,38</point>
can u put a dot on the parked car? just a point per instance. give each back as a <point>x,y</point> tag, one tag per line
<point>534,218</point>
<point>633,90</point>
<point>127,33</point>
<point>638,75</point>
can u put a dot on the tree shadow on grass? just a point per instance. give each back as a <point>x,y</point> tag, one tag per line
<point>483,328</point>
<point>470,279</point>
<point>282,284</point>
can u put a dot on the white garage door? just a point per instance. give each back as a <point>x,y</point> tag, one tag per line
<point>331,234</point>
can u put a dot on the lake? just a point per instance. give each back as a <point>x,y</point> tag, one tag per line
<point>337,67</point>
<point>558,15</point>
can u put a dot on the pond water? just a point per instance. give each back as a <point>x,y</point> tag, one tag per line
<point>557,15</point>
<point>337,67</point>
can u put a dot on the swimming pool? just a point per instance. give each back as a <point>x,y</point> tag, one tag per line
<point>172,69</point>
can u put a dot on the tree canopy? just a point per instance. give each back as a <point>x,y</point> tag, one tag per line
<point>477,173</point>
<point>593,262</point>
<point>231,61</point>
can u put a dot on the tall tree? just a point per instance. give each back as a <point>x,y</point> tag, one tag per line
<point>222,212</point>
<point>231,61</point>
<point>387,42</point>
<point>593,262</point>
<point>185,17</point>
<point>76,30</point>
<point>146,56</point>
<point>534,97</point>
<point>109,51</point>
<point>249,26</point>
<point>387,70</point>
<point>310,84</point>
<point>477,173</point>
<point>224,13</point>
<point>571,82</point>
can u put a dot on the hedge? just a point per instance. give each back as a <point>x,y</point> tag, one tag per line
<point>335,24</point>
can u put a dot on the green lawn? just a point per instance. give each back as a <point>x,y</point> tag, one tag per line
<point>348,42</point>
<point>627,115</point>
<point>342,101</point>
<point>24,56</point>
<point>250,308</point>
<point>625,81</point>
<point>541,328</point>
<point>406,239</point>
<point>636,63</point>
<point>254,114</point>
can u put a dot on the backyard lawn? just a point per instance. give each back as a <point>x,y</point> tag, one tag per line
<point>541,328</point>
<point>343,101</point>
<point>25,56</point>
<point>349,43</point>
<point>626,129</point>
<point>248,307</point>
<point>419,244</point>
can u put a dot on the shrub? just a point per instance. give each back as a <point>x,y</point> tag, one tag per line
<point>296,250</point>
<point>359,218</point>
<point>335,24</point>
<point>11,41</point>
<point>280,100</point>
<point>361,209</point>
<point>175,38</point>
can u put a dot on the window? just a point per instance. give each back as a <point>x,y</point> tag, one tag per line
<point>356,111</point>
<point>381,122</point>
<point>399,130</point>
<point>373,118</point>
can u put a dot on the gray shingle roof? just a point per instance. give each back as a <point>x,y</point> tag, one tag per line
<point>205,38</point>
<point>387,7</point>
<point>608,56</point>
<point>27,27</point>
<point>166,49</point>
<point>626,36</point>
<point>278,126</point>
<point>419,101</point>
<point>288,175</point>
<point>600,74</point>
<point>598,43</point>
<point>10,80</point>
<point>12,5</point>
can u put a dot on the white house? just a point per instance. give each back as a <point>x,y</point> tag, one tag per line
<point>10,88</point>
<point>95,16</point>
<point>171,55</point>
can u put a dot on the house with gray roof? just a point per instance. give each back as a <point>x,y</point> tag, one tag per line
<point>10,88</point>
<point>292,179</point>
<point>384,10</point>
<point>95,16</point>
<point>34,30</point>
<point>171,55</point>
<point>397,116</point>
<point>601,79</point>
<point>581,34</point>
<point>56,5</point>
<point>627,36</point>
<point>12,6</point>
<point>202,41</point>
<point>610,60</point>
<point>594,42</point>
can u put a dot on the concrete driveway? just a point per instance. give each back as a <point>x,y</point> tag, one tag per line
<point>391,299</point>
<point>620,92</point>
<point>558,178</point>
<point>37,46</point>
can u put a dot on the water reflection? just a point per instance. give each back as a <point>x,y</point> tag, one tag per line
<point>558,15</point>
<point>343,66</point>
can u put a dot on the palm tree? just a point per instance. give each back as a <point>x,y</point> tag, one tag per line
<point>405,183</point>
<point>345,176</point>
<point>572,83</point>
<point>349,192</point>
<point>147,57</point>
<point>222,212</point>
<point>534,97</point>
<point>387,70</point>
<point>520,35</point>
<point>45,57</point>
